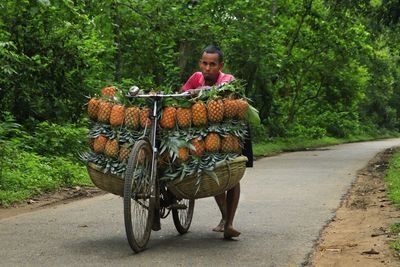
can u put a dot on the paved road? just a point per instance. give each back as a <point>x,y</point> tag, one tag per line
<point>286,201</point>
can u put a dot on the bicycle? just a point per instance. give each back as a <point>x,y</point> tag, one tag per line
<point>146,199</point>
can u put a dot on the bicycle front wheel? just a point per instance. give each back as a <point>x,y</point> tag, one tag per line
<point>183,214</point>
<point>139,196</point>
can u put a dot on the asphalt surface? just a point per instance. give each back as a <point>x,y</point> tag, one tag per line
<point>286,201</point>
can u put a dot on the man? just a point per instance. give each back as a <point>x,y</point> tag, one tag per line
<point>211,64</point>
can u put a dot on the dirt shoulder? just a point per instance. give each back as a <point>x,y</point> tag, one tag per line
<point>63,196</point>
<point>358,235</point>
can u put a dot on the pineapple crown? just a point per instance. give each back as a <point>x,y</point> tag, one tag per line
<point>233,89</point>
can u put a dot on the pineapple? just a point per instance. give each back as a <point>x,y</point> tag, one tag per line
<point>168,118</point>
<point>124,152</point>
<point>230,108</point>
<point>183,154</point>
<point>145,117</point>
<point>199,147</point>
<point>230,144</point>
<point>111,148</point>
<point>132,117</point>
<point>199,114</point>
<point>215,110</point>
<point>108,91</point>
<point>184,117</point>
<point>104,112</point>
<point>117,115</point>
<point>141,157</point>
<point>212,142</point>
<point>242,108</point>
<point>93,108</point>
<point>99,144</point>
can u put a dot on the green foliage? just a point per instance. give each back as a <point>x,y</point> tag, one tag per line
<point>313,132</point>
<point>44,161</point>
<point>302,61</point>
<point>8,127</point>
<point>395,228</point>
<point>50,52</point>
<point>51,139</point>
<point>258,133</point>
<point>393,183</point>
<point>278,145</point>
<point>393,179</point>
<point>25,174</point>
<point>395,245</point>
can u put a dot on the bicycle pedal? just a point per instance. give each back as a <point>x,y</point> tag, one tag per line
<point>178,206</point>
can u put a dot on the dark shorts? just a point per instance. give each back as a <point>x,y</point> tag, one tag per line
<point>248,148</point>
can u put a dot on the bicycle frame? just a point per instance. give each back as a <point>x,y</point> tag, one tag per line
<point>153,133</point>
<point>156,199</point>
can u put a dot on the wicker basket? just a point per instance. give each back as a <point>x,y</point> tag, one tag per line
<point>229,174</point>
<point>106,181</point>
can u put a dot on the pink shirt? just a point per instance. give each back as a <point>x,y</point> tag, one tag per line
<point>197,80</point>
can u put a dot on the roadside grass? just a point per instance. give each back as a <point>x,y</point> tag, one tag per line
<point>40,160</point>
<point>393,184</point>
<point>395,244</point>
<point>24,175</point>
<point>279,145</point>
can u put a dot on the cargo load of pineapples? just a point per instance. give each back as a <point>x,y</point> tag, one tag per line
<point>194,134</point>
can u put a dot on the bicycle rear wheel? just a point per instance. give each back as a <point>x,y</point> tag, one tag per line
<point>139,196</point>
<point>183,216</point>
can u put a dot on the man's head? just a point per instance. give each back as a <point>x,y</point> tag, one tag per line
<point>211,63</point>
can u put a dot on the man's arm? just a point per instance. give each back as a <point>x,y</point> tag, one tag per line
<point>192,82</point>
<point>197,90</point>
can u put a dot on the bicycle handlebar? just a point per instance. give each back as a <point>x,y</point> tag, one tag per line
<point>184,94</point>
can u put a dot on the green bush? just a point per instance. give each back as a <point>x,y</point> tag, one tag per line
<point>301,131</point>
<point>393,179</point>
<point>25,174</point>
<point>259,133</point>
<point>338,124</point>
<point>50,139</point>
<point>393,183</point>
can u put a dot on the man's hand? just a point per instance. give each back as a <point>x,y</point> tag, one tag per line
<point>195,92</point>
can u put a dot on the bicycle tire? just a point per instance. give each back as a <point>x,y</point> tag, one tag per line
<point>183,217</point>
<point>139,200</point>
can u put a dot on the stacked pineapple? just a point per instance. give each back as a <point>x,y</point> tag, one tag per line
<point>193,134</point>
<point>115,128</point>
<point>198,133</point>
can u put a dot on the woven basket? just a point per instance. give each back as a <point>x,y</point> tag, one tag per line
<point>106,181</point>
<point>229,174</point>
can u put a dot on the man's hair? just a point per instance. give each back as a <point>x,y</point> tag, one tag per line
<point>212,49</point>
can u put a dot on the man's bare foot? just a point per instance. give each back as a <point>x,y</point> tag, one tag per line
<point>230,232</point>
<point>220,227</point>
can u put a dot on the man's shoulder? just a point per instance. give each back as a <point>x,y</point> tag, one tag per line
<point>193,82</point>
<point>196,77</point>
<point>224,78</point>
<point>197,74</point>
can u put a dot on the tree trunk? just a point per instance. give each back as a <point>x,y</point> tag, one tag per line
<point>307,9</point>
<point>184,52</point>
<point>116,26</point>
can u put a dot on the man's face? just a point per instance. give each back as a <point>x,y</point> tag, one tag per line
<point>210,66</point>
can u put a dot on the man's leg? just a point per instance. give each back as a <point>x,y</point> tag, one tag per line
<point>232,201</point>
<point>221,201</point>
